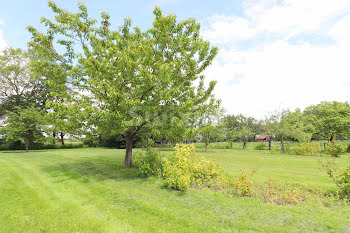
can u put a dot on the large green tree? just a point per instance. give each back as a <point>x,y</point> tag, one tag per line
<point>126,79</point>
<point>330,120</point>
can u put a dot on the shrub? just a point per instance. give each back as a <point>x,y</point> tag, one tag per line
<point>261,146</point>
<point>243,184</point>
<point>335,149</point>
<point>184,170</point>
<point>341,177</point>
<point>148,163</point>
<point>205,173</point>
<point>177,173</point>
<point>275,193</point>
<point>308,148</point>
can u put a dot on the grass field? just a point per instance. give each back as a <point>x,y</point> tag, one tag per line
<point>89,190</point>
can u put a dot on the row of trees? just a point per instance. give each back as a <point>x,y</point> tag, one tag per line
<point>83,77</point>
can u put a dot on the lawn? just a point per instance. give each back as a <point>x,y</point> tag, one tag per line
<point>89,190</point>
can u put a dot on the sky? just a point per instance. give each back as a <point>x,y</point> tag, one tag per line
<point>273,54</point>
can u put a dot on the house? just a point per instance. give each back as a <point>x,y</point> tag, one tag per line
<point>261,138</point>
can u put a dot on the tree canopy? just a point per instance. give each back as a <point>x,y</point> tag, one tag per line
<point>123,80</point>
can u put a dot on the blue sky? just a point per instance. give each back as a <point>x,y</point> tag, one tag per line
<point>273,54</point>
<point>16,15</point>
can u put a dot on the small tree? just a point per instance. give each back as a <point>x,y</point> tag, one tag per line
<point>26,125</point>
<point>208,126</point>
<point>244,134</point>
<point>230,125</point>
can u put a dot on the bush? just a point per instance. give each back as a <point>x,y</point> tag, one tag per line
<point>261,146</point>
<point>335,149</point>
<point>148,163</point>
<point>308,148</point>
<point>184,170</point>
<point>177,173</point>
<point>304,148</point>
<point>205,173</point>
<point>243,185</point>
<point>340,178</point>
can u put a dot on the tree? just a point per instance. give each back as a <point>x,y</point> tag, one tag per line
<point>329,119</point>
<point>230,126</point>
<point>244,134</point>
<point>208,120</point>
<point>287,124</point>
<point>240,127</point>
<point>279,126</point>
<point>19,86</point>
<point>124,80</point>
<point>26,125</point>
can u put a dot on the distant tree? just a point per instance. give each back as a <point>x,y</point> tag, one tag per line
<point>207,125</point>
<point>244,134</point>
<point>287,124</point>
<point>19,86</point>
<point>123,80</point>
<point>26,125</point>
<point>329,119</point>
<point>230,126</point>
<point>240,127</point>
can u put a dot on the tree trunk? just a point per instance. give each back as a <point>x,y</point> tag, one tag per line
<point>270,142</point>
<point>244,144</point>
<point>62,138</point>
<point>231,144</point>
<point>206,145</point>
<point>128,149</point>
<point>54,138</point>
<point>282,145</point>
<point>331,139</point>
<point>27,144</point>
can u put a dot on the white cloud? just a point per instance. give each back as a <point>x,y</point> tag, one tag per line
<point>274,72</point>
<point>225,29</point>
<point>3,43</point>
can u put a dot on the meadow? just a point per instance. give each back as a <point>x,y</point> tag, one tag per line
<point>90,190</point>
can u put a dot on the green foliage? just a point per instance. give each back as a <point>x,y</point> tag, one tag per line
<point>177,172</point>
<point>329,119</point>
<point>304,148</point>
<point>261,146</point>
<point>148,163</point>
<point>19,86</point>
<point>341,177</point>
<point>185,170</point>
<point>25,125</point>
<point>205,173</point>
<point>120,81</point>
<point>335,149</point>
<point>243,185</point>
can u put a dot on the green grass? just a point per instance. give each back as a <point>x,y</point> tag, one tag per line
<point>89,190</point>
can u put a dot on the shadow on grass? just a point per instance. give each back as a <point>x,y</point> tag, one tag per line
<point>21,151</point>
<point>92,169</point>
